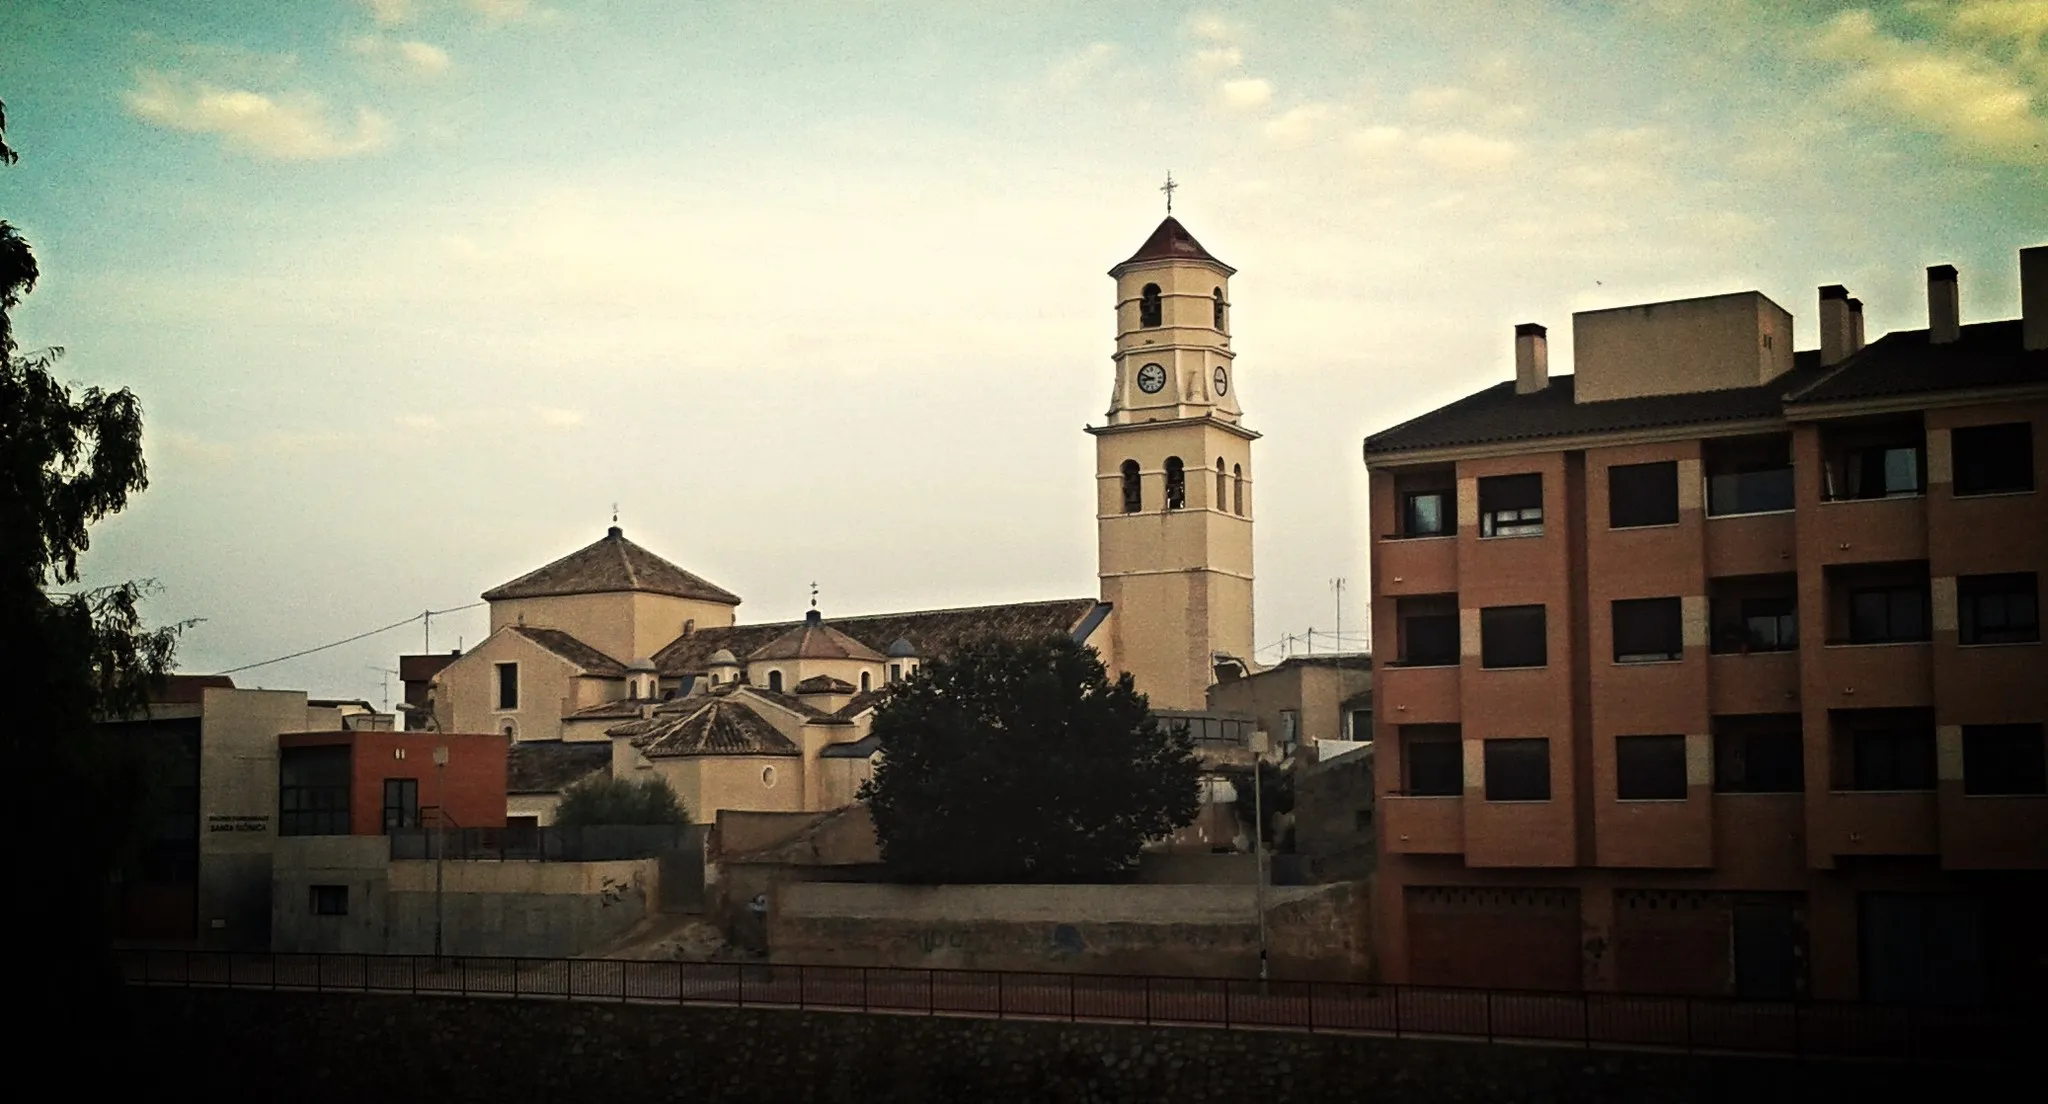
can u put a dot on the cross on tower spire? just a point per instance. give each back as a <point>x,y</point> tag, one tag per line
<point>615,513</point>
<point>1168,188</point>
<point>814,596</point>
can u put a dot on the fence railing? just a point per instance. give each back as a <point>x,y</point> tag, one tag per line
<point>592,843</point>
<point>1587,1020</point>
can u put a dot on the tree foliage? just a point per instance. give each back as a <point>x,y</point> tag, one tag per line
<point>67,660</point>
<point>1024,762</point>
<point>603,799</point>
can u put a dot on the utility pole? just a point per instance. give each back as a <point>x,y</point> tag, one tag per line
<point>388,672</point>
<point>1337,585</point>
<point>427,619</point>
<point>1260,742</point>
<point>440,840</point>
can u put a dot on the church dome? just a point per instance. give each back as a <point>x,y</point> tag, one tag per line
<point>641,664</point>
<point>722,658</point>
<point>902,649</point>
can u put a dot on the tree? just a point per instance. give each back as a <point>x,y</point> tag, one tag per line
<point>603,799</point>
<point>67,660</point>
<point>1023,762</point>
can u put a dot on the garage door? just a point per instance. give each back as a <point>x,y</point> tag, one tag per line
<point>1493,938</point>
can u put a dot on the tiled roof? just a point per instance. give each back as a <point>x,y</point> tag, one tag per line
<point>858,749</point>
<point>575,651</point>
<point>790,702</point>
<point>813,639</point>
<point>623,709</point>
<point>1170,242</point>
<point>721,725</point>
<point>608,565</point>
<point>1984,354</point>
<point>934,633</point>
<point>549,766</point>
<point>824,684</point>
<point>861,703</point>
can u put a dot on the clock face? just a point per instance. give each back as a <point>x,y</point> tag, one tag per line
<point>1222,381</point>
<point>1151,378</point>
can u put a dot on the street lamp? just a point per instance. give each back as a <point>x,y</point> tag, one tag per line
<point>1260,744</point>
<point>440,838</point>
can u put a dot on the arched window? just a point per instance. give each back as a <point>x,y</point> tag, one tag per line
<point>1217,299</point>
<point>633,690</point>
<point>1134,488</point>
<point>1219,483</point>
<point>1237,498</point>
<point>864,685</point>
<point>1149,308</point>
<point>1176,484</point>
<point>775,681</point>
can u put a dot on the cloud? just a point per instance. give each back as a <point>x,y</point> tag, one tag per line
<point>1463,151</point>
<point>1448,102</point>
<point>1216,60</point>
<point>497,13</point>
<point>292,128</point>
<point>558,417</point>
<point>1212,27</point>
<point>1377,141</point>
<point>1968,98</point>
<point>417,58</point>
<point>1248,92</point>
<point>1299,125</point>
<point>1073,71</point>
<point>391,13</point>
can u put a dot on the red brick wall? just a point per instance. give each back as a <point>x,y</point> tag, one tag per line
<point>472,787</point>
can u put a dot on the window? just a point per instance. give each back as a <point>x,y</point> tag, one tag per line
<point>1892,758</point>
<point>329,900</point>
<point>1642,494</point>
<point>1511,506</point>
<point>1432,761</point>
<point>1874,471</point>
<point>1758,754</point>
<point>2004,759</point>
<point>1176,484</point>
<point>508,686</point>
<point>1149,310</point>
<point>1996,459</point>
<point>1134,488</point>
<point>1647,630</point>
<point>312,791</point>
<point>1518,770</point>
<point>1290,728</point>
<point>1361,820</point>
<point>1888,615</point>
<point>775,681</point>
<point>1426,514</point>
<point>401,804</point>
<point>1429,630</point>
<point>1361,725</point>
<point>1237,489</point>
<point>1998,609</point>
<point>1216,307</point>
<point>633,690</point>
<point>1512,636</point>
<point>866,683</point>
<point>1649,768</point>
<point>1222,484</point>
<point>1748,475</point>
<point>895,673</point>
<point>1764,624</point>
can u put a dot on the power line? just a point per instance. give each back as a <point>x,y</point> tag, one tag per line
<point>352,639</point>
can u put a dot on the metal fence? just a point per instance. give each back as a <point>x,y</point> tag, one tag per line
<point>1587,1020</point>
<point>590,843</point>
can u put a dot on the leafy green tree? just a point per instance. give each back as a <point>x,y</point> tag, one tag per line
<point>603,799</point>
<point>67,659</point>
<point>1024,762</point>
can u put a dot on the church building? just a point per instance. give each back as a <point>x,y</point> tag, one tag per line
<point>613,659</point>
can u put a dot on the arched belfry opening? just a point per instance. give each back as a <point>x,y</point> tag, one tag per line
<point>1221,483</point>
<point>1134,488</point>
<point>1151,310</point>
<point>1176,483</point>
<point>1216,298</point>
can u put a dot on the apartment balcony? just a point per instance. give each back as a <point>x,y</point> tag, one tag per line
<point>1416,695</point>
<point>1757,682</point>
<point>1872,676</point>
<point>1993,831</point>
<point>1751,544</point>
<point>1417,565</point>
<point>1424,825</point>
<point>1976,673</point>
<point>1875,822</point>
<point>1871,530</point>
<point>1676,834</point>
<point>1520,833</point>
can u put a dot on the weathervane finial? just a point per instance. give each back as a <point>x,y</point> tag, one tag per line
<point>1168,188</point>
<point>814,596</point>
<point>615,513</point>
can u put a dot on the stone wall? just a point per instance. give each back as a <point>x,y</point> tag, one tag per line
<point>311,1048</point>
<point>1192,930</point>
<point>1333,816</point>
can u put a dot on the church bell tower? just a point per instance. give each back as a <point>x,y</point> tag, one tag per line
<point>1173,471</point>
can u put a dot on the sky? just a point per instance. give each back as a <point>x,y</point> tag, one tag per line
<point>413,291</point>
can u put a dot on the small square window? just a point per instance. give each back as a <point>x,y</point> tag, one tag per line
<point>1518,770</point>
<point>1432,761</point>
<point>1649,768</point>
<point>1513,636</point>
<point>1998,609</point>
<point>1647,630</point>
<point>1994,459</point>
<point>330,900</point>
<point>1511,505</point>
<point>1642,494</point>
<point>2004,759</point>
<point>1760,753</point>
<point>1425,513</point>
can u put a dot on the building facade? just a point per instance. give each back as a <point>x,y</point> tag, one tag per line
<point>1716,668</point>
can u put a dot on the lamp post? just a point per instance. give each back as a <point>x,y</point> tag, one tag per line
<point>440,838</point>
<point>1259,742</point>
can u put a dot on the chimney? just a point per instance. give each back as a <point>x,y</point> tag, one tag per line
<point>1835,326</point>
<point>1532,359</point>
<point>2034,297</point>
<point>1944,312</point>
<point>1855,324</point>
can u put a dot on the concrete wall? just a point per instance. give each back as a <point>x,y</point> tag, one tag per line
<point>238,732</point>
<point>466,691</point>
<point>1212,930</point>
<point>1314,691</point>
<point>488,908</point>
<point>1706,344</point>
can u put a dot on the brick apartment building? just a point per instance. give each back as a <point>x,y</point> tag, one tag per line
<point>1716,668</point>
<point>353,783</point>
